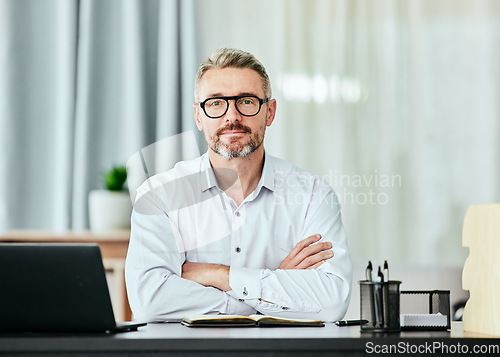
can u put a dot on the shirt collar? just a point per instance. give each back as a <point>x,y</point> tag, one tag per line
<point>208,177</point>
<point>267,178</point>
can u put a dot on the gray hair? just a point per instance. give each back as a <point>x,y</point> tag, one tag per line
<point>230,57</point>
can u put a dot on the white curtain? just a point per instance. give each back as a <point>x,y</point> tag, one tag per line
<point>83,86</point>
<point>395,103</point>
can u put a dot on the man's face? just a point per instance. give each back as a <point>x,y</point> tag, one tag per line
<point>233,135</point>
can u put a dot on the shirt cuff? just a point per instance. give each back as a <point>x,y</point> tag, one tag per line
<point>246,282</point>
<point>237,306</point>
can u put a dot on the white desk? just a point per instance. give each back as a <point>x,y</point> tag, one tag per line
<point>174,339</point>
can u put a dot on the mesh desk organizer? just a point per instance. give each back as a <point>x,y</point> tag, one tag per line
<point>425,310</point>
<point>422,310</point>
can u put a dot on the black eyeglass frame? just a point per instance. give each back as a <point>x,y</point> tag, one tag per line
<point>235,98</point>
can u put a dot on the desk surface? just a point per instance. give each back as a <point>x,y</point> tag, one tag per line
<point>174,338</point>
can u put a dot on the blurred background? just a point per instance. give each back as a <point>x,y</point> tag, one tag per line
<point>394,103</point>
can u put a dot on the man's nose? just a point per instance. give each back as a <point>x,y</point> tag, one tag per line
<point>232,113</point>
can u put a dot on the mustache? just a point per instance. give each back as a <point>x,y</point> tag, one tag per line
<point>234,126</point>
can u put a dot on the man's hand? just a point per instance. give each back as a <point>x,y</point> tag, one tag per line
<point>307,255</point>
<point>215,275</point>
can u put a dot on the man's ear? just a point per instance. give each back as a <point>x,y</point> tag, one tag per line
<point>196,108</point>
<point>271,111</point>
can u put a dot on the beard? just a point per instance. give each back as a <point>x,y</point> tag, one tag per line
<point>234,148</point>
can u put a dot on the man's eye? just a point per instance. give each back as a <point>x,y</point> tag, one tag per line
<point>247,101</point>
<point>215,103</point>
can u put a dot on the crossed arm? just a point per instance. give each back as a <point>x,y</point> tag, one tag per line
<point>307,254</point>
<point>162,285</point>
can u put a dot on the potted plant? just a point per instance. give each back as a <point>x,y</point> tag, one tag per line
<point>110,209</point>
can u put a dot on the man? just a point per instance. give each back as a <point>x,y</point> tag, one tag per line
<point>236,231</point>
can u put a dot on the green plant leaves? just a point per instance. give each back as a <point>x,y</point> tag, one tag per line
<point>115,178</point>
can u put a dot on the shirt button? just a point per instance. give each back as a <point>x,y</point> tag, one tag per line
<point>237,213</point>
<point>238,249</point>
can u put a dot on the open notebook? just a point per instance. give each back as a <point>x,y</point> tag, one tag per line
<point>245,321</point>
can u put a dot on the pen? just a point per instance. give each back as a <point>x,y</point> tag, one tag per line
<point>368,272</point>
<point>351,322</point>
<point>386,271</point>
<point>380,276</point>
<point>379,300</point>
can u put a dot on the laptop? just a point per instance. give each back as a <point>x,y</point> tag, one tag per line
<point>55,288</point>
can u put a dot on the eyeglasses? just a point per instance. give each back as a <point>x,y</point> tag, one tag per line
<point>246,105</point>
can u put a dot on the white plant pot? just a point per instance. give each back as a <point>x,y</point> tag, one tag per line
<point>109,211</point>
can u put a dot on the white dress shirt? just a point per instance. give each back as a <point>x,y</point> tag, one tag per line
<point>183,215</point>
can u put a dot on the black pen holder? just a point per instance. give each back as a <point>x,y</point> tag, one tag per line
<point>379,305</point>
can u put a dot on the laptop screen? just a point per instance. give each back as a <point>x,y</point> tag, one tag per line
<point>54,287</point>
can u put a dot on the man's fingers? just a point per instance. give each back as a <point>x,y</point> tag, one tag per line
<point>313,249</point>
<point>314,259</point>
<point>291,261</point>
<point>307,253</point>
<point>316,265</point>
<point>304,243</point>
